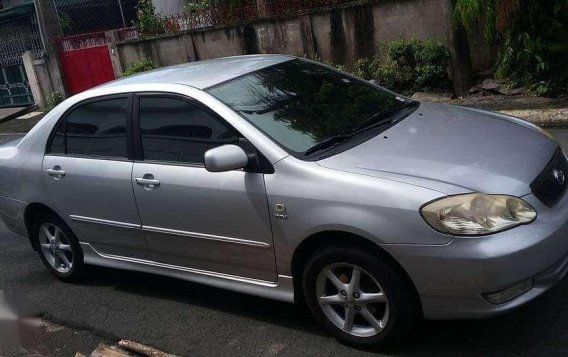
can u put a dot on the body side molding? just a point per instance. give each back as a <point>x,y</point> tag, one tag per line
<point>105,222</point>
<point>282,290</point>
<point>195,235</point>
<point>206,236</point>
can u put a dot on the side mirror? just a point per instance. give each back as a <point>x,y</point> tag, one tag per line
<point>225,158</point>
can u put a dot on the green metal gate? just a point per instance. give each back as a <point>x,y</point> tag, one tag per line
<point>18,33</point>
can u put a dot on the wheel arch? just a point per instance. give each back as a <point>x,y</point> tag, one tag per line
<point>336,238</point>
<point>31,211</point>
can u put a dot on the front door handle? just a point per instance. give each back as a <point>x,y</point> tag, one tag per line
<point>56,172</point>
<point>148,182</point>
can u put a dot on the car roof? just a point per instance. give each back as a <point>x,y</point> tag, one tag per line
<point>204,74</point>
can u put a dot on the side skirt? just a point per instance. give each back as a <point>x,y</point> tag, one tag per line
<point>282,290</point>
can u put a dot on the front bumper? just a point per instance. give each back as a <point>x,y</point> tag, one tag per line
<point>452,279</point>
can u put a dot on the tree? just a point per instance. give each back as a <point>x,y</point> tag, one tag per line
<point>469,12</point>
<point>530,36</point>
<point>460,60</point>
<point>147,22</point>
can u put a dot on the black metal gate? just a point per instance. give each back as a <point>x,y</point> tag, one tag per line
<point>16,37</point>
<point>14,87</point>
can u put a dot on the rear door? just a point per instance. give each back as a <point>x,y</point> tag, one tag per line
<point>214,222</point>
<point>87,172</point>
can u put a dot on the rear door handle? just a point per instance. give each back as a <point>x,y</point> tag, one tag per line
<point>143,181</point>
<point>56,172</point>
<point>148,182</point>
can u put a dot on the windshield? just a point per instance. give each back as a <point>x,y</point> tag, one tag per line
<point>300,104</point>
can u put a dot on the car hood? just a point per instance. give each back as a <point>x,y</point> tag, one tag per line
<point>452,150</point>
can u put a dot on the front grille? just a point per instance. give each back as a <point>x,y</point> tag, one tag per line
<point>550,185</point>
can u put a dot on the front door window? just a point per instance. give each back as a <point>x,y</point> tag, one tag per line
<point>175,130</point>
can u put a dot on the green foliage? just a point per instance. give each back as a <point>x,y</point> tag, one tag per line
<point>52,100</point>
<point>532,40</point>
<point>534,50</point>
<point>408,66</point>
<point>471,12</point>
<point>339,67</point>
<point>367,67</point>
<point>147,22</point>
<point>143,65</point>
<point>196,5</point>
<point>65,22</point>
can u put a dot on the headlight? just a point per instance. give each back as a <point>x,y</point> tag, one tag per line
<point>477,214</point>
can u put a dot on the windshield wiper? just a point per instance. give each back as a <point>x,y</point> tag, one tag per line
<point>382,118</point>
<point>374,121</point>
<point>329,142</point>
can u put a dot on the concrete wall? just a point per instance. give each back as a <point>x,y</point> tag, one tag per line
<point>49,26</point>
<point>340,34</point>
<point>40,77</point>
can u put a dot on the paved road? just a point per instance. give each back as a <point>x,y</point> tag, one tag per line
<point>189,319</point>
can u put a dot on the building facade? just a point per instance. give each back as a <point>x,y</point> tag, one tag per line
<point>19,32</point>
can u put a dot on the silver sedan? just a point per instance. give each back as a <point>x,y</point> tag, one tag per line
<point>284,178</point>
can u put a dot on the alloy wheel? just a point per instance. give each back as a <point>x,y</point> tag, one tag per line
<point>352,299</point>
<point>56,248</point>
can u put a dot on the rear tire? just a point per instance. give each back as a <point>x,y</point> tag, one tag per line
<point>58,247</point>
<point>361,299</point>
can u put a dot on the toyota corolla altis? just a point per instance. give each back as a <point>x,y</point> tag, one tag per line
<point>284,178</point>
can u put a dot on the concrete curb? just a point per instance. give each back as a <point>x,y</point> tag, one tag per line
<point>18,113</point>
<point>548,118</point>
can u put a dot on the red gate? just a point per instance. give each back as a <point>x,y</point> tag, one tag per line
<point>86,61</point>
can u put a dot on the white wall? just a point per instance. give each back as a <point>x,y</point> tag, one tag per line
<point>168,7</point>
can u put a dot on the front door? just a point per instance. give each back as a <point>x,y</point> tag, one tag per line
<point>212,222</point>
<point>88,176</point>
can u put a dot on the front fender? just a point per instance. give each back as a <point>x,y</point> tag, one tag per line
<point>317,199</point>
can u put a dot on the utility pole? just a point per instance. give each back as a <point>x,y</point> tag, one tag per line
<point>121,13</point>
<point>50,29</point>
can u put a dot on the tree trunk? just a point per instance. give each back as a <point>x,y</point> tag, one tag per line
<point>460,58</point>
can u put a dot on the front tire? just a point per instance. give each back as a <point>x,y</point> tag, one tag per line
<point>58,247</point>
<point>360,298</point>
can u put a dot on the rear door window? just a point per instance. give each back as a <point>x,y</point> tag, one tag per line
<point>97,129</point>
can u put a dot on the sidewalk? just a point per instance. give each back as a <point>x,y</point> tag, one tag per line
<point>21,124</point>
<point>546,112</point>
<point>10,113</point>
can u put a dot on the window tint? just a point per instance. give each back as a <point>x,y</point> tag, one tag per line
<point>58,141</point>
<point>177,131</point>
<point>94,129</point>
<point>300,104</point>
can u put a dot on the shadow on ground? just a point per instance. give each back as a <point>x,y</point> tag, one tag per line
<point>288,315</point>
<point>537,328</point>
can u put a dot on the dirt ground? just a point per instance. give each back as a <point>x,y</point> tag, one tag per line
<point>547,112</point>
